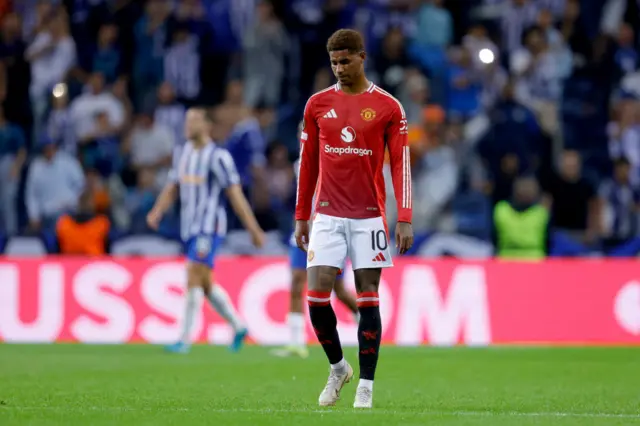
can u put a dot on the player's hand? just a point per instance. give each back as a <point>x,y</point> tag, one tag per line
<point>153,219</point>
<point>257,238</point>
<point>302,234</point>
<point>404,237</point>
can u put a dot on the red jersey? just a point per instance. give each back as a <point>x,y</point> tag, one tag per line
<point>342,152</point>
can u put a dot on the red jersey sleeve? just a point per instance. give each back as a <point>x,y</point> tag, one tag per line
<point>397,143</point>
<point>309,164</point>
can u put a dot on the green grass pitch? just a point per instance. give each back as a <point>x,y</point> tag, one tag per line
<point>75,385</point>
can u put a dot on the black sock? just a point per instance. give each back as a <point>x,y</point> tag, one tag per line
<point>325,324</point>
<point>369,333</point>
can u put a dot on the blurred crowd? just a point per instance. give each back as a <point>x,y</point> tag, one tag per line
<point>538,95</point>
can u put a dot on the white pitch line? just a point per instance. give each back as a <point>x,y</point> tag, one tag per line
<point>453,413</point>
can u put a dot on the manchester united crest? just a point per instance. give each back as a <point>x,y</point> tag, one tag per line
<point>310,256</point>
<point>368,114</point>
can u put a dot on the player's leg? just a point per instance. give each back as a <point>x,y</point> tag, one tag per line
<point>192,304</point>
<point>218,297</point>
<point>295,318</point>
<point>346,297</point>
<point>369,251</point>
<point>369,332</point>
<point>327,253</point>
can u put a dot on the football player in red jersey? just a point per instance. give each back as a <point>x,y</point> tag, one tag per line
<point>347,128</point>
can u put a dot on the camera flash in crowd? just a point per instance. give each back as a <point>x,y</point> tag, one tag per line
<point>59,90</point>
<point>486,56</point>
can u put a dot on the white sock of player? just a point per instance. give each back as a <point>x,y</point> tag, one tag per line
<point>221,302</point>
<point>295,320</point>
<point>193,295</point>
<point>340,367</point>
<point>364,383</point>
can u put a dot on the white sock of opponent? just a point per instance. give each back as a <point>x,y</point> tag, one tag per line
<point>298,337</point>
<point>193,295</point>
<point>221,302</point>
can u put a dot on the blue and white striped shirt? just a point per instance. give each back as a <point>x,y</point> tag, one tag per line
<point>621,201</point>
<point>202,175</point>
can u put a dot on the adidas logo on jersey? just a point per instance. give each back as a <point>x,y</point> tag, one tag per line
<point>330,114</point>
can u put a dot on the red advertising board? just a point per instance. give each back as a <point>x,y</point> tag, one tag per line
<point>439,302</point>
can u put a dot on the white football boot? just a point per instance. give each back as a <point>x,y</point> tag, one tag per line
<point>364,398</point>
<point>331,392</point>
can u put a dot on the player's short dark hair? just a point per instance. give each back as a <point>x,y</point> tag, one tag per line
<point>346,39</point>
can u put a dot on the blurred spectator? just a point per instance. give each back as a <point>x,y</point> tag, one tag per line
<point>170,112</point>
<point>435,26</point>
<point>97,187</point>
<point>35,16</point>
<point>83,232</point>
<point>88,106</point>
<point>414,95</point>
<point>15,87</point>
<point>436,179</point>
<point>51,54</point>
<point>278,176</point>
<point>244,141</point>
<point>182,64</point>
<point>620,201</point>
<point>391,64</point>
<point>624,136</point>
<point>517,15</point>
<point>575,208</point>
<point>100,150</point>
<point>476,40</point>
<point>626,56</point>
<point>279,173</point>
<point>13,154</point>
<point>464,88</point>
<point>151,32</point>
<point>266,45</point>
<point>234,94</point>
<point>266,116</point>
<point>60,124</point>
<point>521,224</point>
<point>494,79</point>
<point>574,33</point>
<point>511,146</point>
<point>540,72</point>
<point>553,36</point>
<point>140,199</point>
<point>54,184</point>
<point>107,58</point>
<point>150,145</point>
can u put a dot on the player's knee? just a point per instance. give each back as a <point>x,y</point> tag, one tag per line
<point>367,280</point>
<point>322,278</point>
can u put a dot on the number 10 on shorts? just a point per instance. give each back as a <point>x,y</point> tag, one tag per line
<point>380,249</point>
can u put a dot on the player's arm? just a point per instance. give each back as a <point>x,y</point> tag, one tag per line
<point>225,171</point>
<point>397,142</point>
<point>167,197</point>
<point>308,174</point>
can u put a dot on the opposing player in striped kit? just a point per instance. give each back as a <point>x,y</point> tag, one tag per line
<point>295,319</point>
<point>205,177</point>
<point>347,128</point>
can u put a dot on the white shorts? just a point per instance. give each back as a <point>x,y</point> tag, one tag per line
<point>364,241</point>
